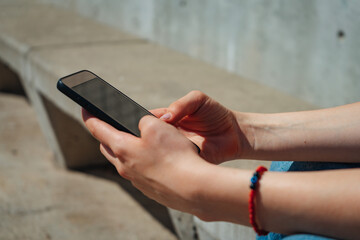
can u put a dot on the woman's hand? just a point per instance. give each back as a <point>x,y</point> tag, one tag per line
<point>163,163</point>
<point>208,124</point>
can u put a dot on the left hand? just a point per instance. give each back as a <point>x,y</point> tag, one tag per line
<point>163,163</point>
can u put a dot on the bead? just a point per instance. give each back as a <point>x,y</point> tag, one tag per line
<point>254,179</point>
<point>254,183</point>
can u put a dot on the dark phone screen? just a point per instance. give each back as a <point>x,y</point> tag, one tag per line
<point>112,102</point>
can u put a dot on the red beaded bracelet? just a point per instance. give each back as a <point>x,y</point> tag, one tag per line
<point>254,184</point>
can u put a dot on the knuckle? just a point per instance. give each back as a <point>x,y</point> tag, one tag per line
<point>148,125</point>
<point>175,106</point>
<point>118,147</point>
<point>119,150</point>
<point>125,172</point>
<point>121,170</point>
<point>143,122</point>
<point>132,165</point>
<point>198,97</point>
<point>198,94</point>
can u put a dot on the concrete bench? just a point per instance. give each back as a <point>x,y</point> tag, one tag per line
<point>43,43</point>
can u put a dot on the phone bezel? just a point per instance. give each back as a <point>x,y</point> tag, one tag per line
<point>65,85</point>
<point>66,89</point>
<point>78,78</point>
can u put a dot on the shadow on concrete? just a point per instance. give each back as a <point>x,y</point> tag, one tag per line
<point>10,83</point>
<point>158,211</point>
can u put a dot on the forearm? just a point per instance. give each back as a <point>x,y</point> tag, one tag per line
<point>330,135</point>
<point>323,203</point>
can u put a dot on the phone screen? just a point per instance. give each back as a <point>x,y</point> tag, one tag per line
<point>112,102</point>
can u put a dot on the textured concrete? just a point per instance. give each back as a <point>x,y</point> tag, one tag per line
<point>9,81</point>
<point>154,76</point>
<point>26,27</point>
<point>39,201</point>
<point>72,138</point>
<point>308,49</point>
<point>151,74</point>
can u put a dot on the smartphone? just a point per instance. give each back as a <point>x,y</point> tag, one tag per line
<point>104,101</point>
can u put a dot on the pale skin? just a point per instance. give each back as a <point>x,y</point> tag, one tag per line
<point>166,167</point>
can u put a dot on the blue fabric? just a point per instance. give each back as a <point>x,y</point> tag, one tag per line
<point>305,236</point>
<point>309,166</point>
<point>277,236</point>
<point>303,166</point>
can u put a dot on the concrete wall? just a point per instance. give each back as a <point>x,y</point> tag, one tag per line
<point>308,48</point>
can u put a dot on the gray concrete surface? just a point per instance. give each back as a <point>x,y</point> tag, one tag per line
<point>26,27</point>
<point>9,82</point>
<point>154,76</point>
<point>308,49</point>
<point>39,201</point>
<point>151,74</point>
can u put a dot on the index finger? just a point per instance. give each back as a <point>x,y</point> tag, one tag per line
<point>158,112</point>
<point>186,105</point>
<point>104,132</point>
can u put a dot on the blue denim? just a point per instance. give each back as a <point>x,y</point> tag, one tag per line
<point>277,236</point>
<point>303,166</point>
<point>309,166</point>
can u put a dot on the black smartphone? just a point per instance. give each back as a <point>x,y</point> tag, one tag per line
<point>104,101</point>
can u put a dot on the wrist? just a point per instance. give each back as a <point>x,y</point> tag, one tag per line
<point>246,135</point>
<point>222,194</point>
<point>263,136</point>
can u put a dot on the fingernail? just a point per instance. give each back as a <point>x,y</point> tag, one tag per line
<point>166,116</point>
<point>85,114</point>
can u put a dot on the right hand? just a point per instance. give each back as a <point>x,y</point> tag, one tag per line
<point>208,124</point>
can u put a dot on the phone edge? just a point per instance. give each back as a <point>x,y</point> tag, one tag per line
<point>91,108</point>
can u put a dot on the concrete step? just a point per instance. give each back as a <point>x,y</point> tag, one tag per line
<point>40,201</point>
<point>42,43</point>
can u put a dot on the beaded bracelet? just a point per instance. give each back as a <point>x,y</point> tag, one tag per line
<point>254,184</point>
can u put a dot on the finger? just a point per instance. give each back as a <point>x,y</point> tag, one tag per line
<point>149,125</point>
<point>185,106</point>
<point>158,112</point>
<point>85,114</point>
<point>115,161</point>
<point>106,134</point>
<point>155,129</point>
<point>106,151</point>
<point>99,129</point>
